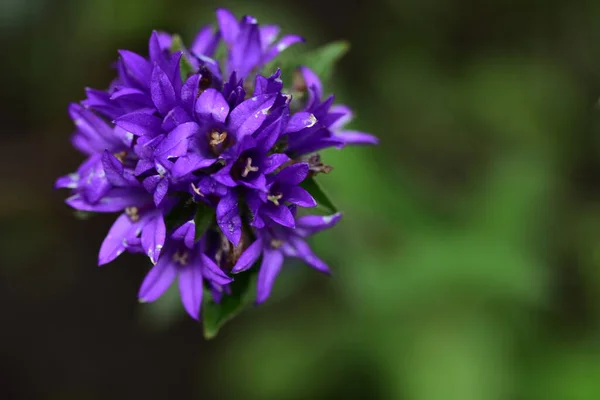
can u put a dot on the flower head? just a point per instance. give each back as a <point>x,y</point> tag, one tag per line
<point>206,160</point>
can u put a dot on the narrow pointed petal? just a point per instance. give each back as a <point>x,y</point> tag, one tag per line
<point>269,269</point>
<point>345,116</point>
<point>247,117</point>
<point>114,243</point>
<point>246,54</point>
<point>131,95</point>
<point>313,82</point>
<point>357,138</point>
<point>153,237</point>
<point>248,257</point>
<point>300,197</point>
<point>140,124</point>
<point>116,199</point>
<point>175,117</point>
<point>185,233</point>
<point>143,166</point>
<point>137,67</point>
<point>190,163</point>
<point>283,44</point>
<point>162,91</point>
<point>304,252</point>
<point>158,280</point>
<point>212,104</point>
<point>67,182</point>
<point>228,25</point>
<point>293,174</point>
<point>274,161</point>
<point>224,176</point>
<point>115,173</point>
<point>161,191</point>
<point>189,93</point>
<point>176,142</point>
<point>311,224</point>
<point>206,41</point>
<point>191,288</point>
<point>155,49</point>
<point>212,272</point>
<point>228,217</point>
<point>299,121</point>
<point>280,214</point>
<point>268,34</point>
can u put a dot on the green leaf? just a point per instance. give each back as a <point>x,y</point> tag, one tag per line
<point>204,217</point>
<point>186,67</point>
<point>214,315</point>
<point>323,201</point>
<point>322,60</point>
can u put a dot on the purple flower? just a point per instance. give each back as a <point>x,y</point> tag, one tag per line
<point>250,46</point>
<point>186,260</point>
<point>181,136</point>
<point>327,120</point>
<point>275,243</point>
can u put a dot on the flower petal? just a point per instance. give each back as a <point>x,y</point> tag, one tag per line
<point>311,224</point>
<point>228,217</point>
<point>189,92</point>
<point>114,243</point>
<point>206,41</point>
<point>268,34</point>
<point>176,142</point>
<point>248,257</point>
<point>300,197</point>
<point>153,237</point>
<point>137,67</point>
<point>158,280</point>
<point>162,91</point>
<point>274,161</point>
<point>312,81</point>
<point>269,269</point>
<point>247,51</point>
<point>283,44</point>
<point>212,104</point>
<point>191,288</point>
<point>355,137</point>
<point>67,182</point>
<point>140,124</point>
<point>293,174</point>
<point>186,233</point>
<point>175,117</point>
<point>212,272</point>
<point>116,199</point>
<point>161,191</point>
<point>280,214</point>
<point>304,252</point>
<point>228,25</point>
<point>299,121</point>
<point>115,173</point>
<point>249,115</point>
<point>189,163</point>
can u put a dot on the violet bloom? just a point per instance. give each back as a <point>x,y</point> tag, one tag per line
<point>283,189</point>
<point>185,259</point>
<point>327,131</point>
<point>179,134</point>
<point>250,46</point>
<point>275,243</point>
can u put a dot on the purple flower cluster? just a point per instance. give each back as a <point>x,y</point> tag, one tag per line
<point>206,160</point>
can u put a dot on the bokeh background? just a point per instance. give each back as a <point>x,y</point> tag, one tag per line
<point>467,266</point>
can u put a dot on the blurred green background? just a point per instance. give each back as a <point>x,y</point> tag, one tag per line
<point>468,262</point>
